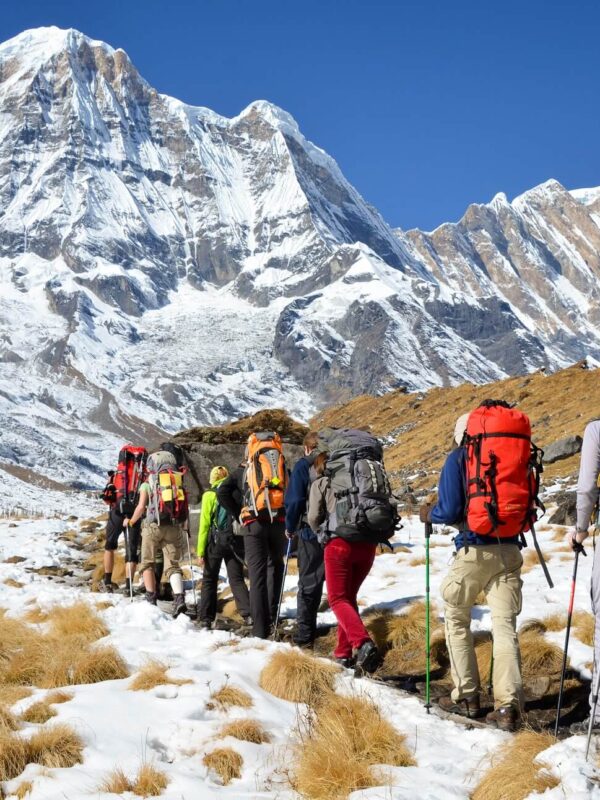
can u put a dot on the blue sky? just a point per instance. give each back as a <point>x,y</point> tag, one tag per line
<point>427,106</point>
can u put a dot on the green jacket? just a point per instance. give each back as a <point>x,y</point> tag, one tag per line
<point>207,513</point>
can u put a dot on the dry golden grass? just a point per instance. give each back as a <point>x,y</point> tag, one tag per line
<point>553,622</point>
<point>8,721</point>
<point>584,624</point>
<point>154,673</point>
<point>23,789</point>
<point>39,712</point>
<point>417,561</point>
<point>11,694</point>
<point>13,583</point>
<point>79,619</point>
<point>531,560</point>
<point>515,774</point>
<point>55,746</point>
<point>228,697</point>
<point>538,656</point>
<point>14,755</point>
<point>295,676</point>
<point>247,730</point>
<point>35,615</point>
<point>57,697</point>
<point>481,599</point>
<point>226,762</point>
<point>116,782</point>
<point>337,752</point>
<point>149,782</point>
<point>95,563</point>
<point>293,566</point>
<point>558,405</point>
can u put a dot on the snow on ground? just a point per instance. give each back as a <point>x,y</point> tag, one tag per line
<point>171,726</point>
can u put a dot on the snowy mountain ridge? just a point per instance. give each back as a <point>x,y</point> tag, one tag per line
<point>173,267</point>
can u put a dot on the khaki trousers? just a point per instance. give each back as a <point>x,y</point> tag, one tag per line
<point>495,570</point>
<point>169,539</point>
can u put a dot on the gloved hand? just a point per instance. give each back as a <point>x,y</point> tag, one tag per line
<point>575,539</point>
<point>425,512</point>
<point>289,534</point>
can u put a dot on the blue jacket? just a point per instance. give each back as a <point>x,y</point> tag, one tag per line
<point>295,499</point>
<point>451,505</point>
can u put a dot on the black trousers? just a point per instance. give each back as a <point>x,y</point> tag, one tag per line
<point>133,538</point>
<point>233,556</point>
<point>265,545</point>
<point>311,576</point>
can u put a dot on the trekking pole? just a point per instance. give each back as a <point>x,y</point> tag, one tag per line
<point>285,569</point>
<point>578,549</point>
<point>127,554</point>
<point>428,532</point>
<point>491,675</point>
<point>593,705</point>
<point>187,536</point>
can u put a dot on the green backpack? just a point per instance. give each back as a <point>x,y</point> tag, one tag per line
<point>220,522</point>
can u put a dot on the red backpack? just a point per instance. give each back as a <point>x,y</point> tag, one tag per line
<point>503,469</point>
<point>130,474</point>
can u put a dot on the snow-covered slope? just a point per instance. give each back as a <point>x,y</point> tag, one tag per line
<point>163,266</point>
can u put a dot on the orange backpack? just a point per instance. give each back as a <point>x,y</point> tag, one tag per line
<point>265,478</point>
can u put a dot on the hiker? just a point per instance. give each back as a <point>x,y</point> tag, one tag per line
<point>490,518</point>
<point>587,506</point>
<point>122,495</point>
<point>217,543</point>
<point>350,508</point>
<point>311,566</point>
<point>253,494</point>
<point>164,503</point>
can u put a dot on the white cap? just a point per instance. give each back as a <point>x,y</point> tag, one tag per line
<point>460,428</point>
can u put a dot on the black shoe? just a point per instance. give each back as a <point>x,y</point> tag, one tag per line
<point>107,588</point>
<point>206,624</point>
<point>179,606</point>
<point>347,663</point>
<point>463,708</point>
<point>127,588</point>
<point>151,598</point>
<point>367,658</point>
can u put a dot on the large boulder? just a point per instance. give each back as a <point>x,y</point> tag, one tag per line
<point>563,448</point>
<point>566,511</point>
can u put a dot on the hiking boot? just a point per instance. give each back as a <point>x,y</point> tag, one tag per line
<point>582,727</point>
<point>303,644</point>
<point>367,658</point>
<point>469,708</point>
<point>206,624</point>
<point>107,588</point>
<point>151,598</point>
<point>127,588</point>
<point>179,606</point>
<point>505,718</point>
<point>347,662</point>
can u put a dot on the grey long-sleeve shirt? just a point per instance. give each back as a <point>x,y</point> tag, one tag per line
<point>589,470</point>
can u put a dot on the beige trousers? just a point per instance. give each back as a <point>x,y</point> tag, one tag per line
<point>495,570</point>
<point>169,539</point>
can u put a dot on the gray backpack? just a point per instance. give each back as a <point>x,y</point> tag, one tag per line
<point>168,503</point>
<point>365,509</point>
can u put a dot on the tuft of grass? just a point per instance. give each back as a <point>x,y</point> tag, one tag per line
<point>539,656</point>
<point>39,712</point>
<point>8,721</point>
<point>531,560</point>
<point>13,755</point>
<point>227,697</point>
<point>154,673</point>
<point>516,773</point>
<point>401,637</point>
<point>10,694</point>
<point>35,615</point>
<point>55,746</point>
<point>13,583</point>
<point>80,620</point>
<point>226,762</point>
<point>584,624</point>
<point>417,561</point>
<point>57,697</point>
<point>337,753</point>
<point>23,789</point>
<point>149,782</point>
<point>300,678</point>
<point>247,730</point>
<point>554,622</point>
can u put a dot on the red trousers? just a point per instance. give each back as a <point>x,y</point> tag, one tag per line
<point>347,564</point>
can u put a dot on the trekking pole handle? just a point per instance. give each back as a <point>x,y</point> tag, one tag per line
<point>428,529</point>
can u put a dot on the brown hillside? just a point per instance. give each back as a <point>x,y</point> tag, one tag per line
<point>418,427</point>
<point>271,419</point>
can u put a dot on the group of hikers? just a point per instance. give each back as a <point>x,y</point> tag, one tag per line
<point>334,508</point>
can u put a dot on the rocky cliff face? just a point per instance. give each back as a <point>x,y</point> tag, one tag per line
<point>162,266</point>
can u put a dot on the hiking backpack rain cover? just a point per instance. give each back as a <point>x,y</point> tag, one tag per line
<point>365,508</point>
<point>503,468</point>
<point>130,474</point>
<point>168,503</point>
<point>265,478</point>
